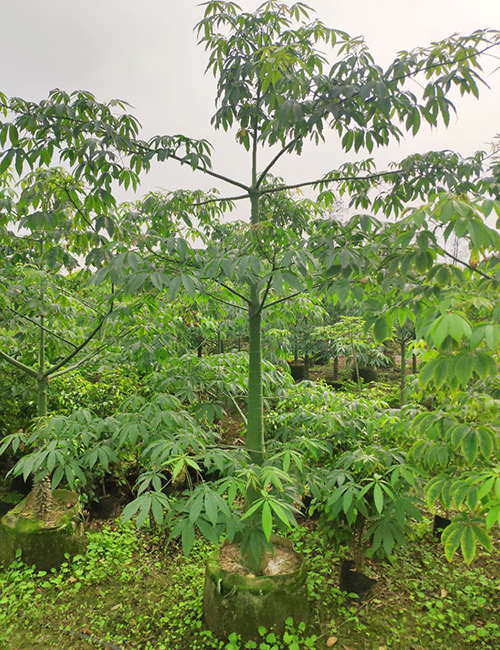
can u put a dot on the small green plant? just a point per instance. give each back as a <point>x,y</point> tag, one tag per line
<point>367,495</point>
<point>294,638</point>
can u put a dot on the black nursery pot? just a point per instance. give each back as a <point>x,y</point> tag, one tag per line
<point>438,525</point>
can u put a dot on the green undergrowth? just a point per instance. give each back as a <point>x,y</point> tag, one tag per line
<point>129,592</point>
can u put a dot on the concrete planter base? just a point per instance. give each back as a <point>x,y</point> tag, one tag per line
<point>43,545</point>
<point>241,603</point>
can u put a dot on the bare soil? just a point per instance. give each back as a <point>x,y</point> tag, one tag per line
<point>283,561</point>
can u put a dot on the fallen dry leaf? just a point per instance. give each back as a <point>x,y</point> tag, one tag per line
<point>382,647</point>
<point>444,593</point>
<point>331,641</point>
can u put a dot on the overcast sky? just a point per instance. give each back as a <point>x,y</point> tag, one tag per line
<point>145,53</point>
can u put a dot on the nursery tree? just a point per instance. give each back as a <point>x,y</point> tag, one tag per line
<point>43,231</point>
<point>277,89</point>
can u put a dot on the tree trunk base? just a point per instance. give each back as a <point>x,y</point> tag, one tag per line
<point>42,544</point>
<point>242,603</point>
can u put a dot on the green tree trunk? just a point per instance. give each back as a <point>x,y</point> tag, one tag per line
<point>255,429</point>
<point>402,376</point>
<point>42,383</point>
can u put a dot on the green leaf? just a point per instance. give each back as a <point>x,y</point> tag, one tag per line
<point>188,284</point>
<point>492,337</point>
<point>378,498</point>
<point>292,279</point>
<point>381,330</point>
<point>188,537</point>
<point>463,368</point>
<point>493,517</point>
<point>280,512</point>
<point>211,507</point>
<point>486,439</point>
<point>208,531</point>
<point>482,364</point>
<point>144,510</point>
<point>469,447</point>
<point>267,520</point>
<point>433,489</point>
<point>157,509</point>
<point>130,509</point>
<point>468,544</point>
<point>482,537</point>
<point>427,372</point>
<point>451,539</point>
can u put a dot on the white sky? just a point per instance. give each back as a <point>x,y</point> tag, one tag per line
<point>145,53</point>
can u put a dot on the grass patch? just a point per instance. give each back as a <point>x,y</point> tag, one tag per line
<point>129,593</point>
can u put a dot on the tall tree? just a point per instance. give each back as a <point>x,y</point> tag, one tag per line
<point>277,89</point>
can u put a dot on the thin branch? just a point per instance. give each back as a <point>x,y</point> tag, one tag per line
<point>226,179</point>
<point>219,199</point>
<point>82,302</point>
<point>263,174</point>
<point>409,75</point>
<point>277,302</point>
<point>240,295</point>
<point>78,364</point>
<point>64,361</point>
<point>242,415</point>
<point>18,364</point>
<point>466,264</point>
<point>266,291</point>
<point>324,181</point>
<point>45,329</point>
<point>225,302</point>
<point>89,356</point>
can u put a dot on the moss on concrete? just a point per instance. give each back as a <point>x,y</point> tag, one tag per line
<point>42,544</point>
<point>238,603</point>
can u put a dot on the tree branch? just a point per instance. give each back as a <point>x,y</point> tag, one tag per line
<point>242,415</point>
<point>219,199</point>
<point>45,329</point>
<point>231,290</point>
<point>89,356</point>
<point>225,302</point>
<point>466,264</point>
<point>263,175</point>
<point>226,179</point>
<point>18,364</point>
<point>277,302</point>
<point>266,291</point>
<point>64,361</point>
<point>324,181</point>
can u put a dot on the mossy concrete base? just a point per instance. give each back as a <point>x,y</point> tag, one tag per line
<point>241,604</point>
<point>41,544</point>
